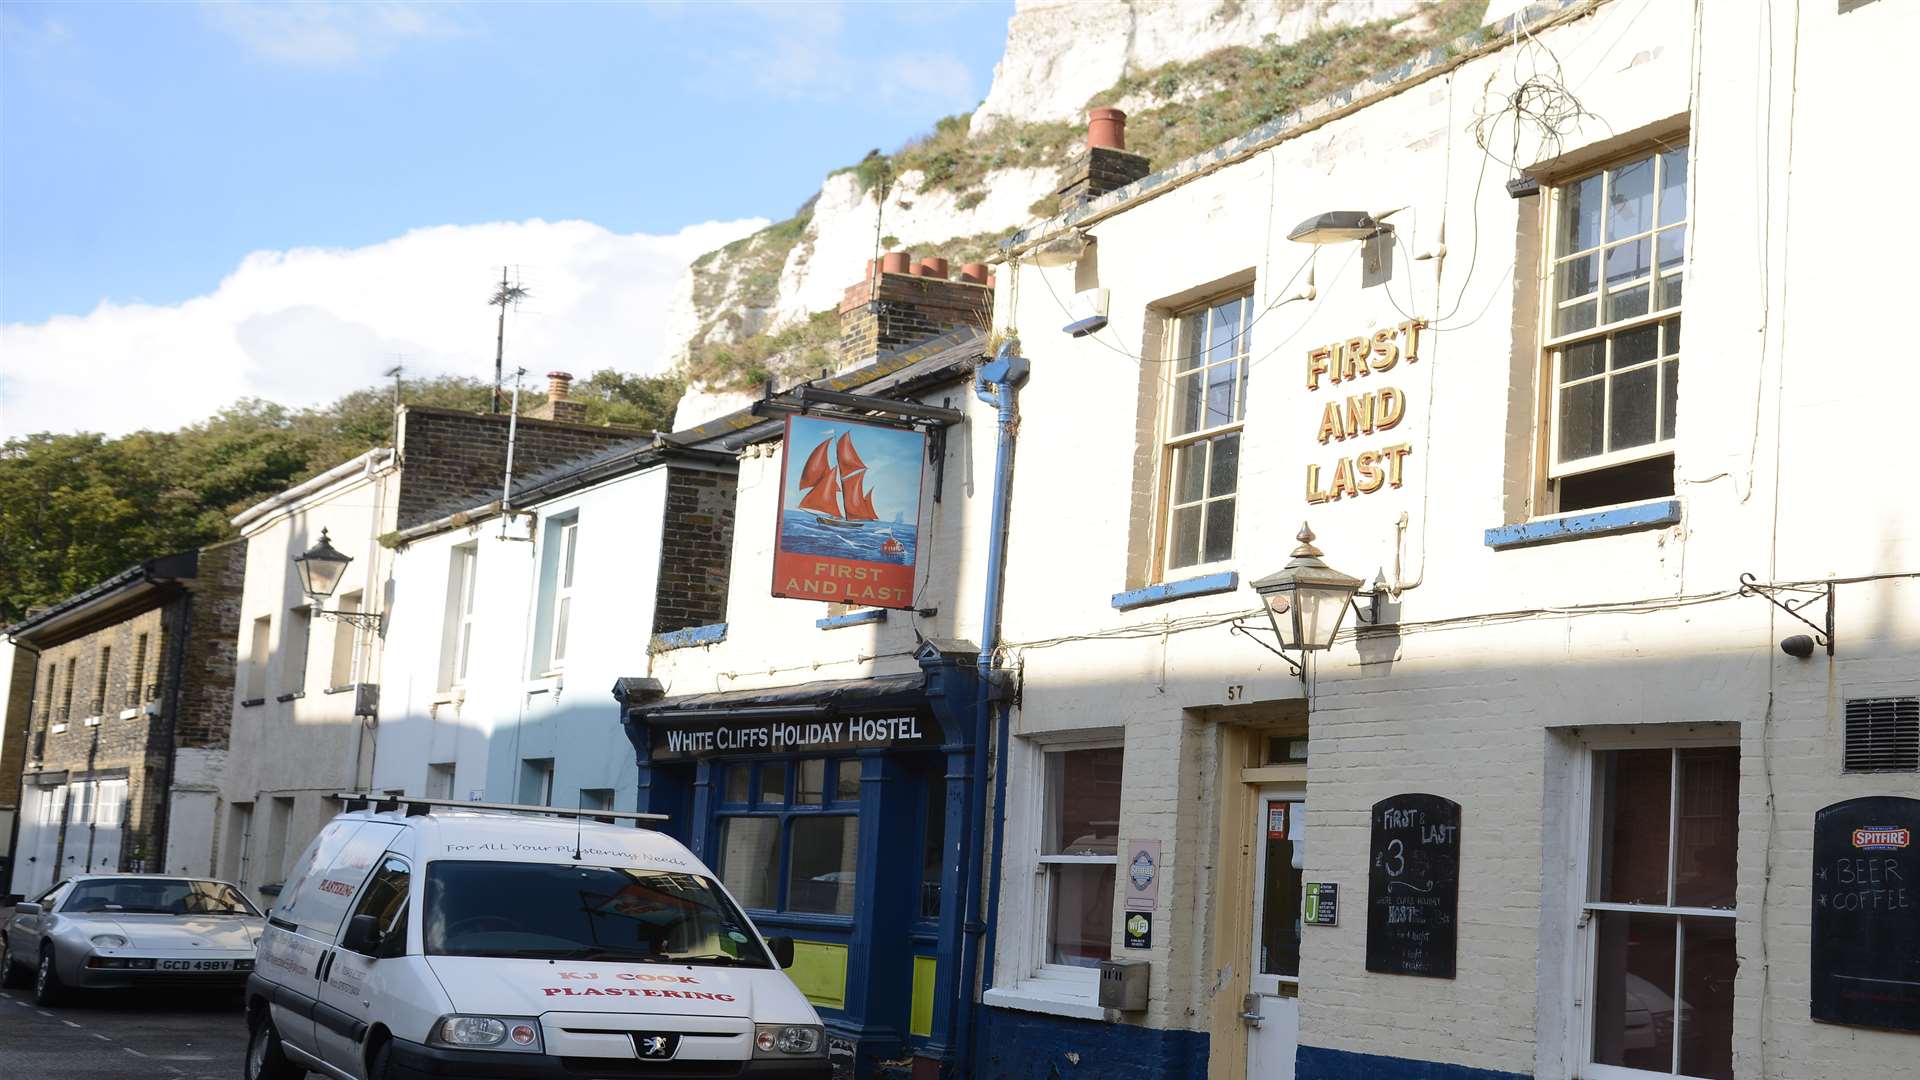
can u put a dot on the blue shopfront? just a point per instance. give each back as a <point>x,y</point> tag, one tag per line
<point>836,812</point>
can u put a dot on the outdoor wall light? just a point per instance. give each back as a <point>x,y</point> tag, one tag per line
<point>321,567</point>
<point>1338,226</point>
<point>1305,602</point>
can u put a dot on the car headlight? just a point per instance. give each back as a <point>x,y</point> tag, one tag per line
<point>788,1040</point>
<point>487,1032</point>
<point>109,941</point>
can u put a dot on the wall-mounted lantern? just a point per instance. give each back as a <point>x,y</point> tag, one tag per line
<point>321,567</point>
<point>1305,602</point>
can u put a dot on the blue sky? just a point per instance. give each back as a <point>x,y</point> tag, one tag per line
<point>146,151</point>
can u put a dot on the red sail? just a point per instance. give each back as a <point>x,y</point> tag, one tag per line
<point>849,459</point>
<point>821,499</point>
<point>817,467</point>
<point>859,503</point>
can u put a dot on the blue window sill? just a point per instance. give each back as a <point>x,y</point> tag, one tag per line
<point>852,618</point>
<point>1653,515</point>
<point>711,634</point>
<point>1169,591</point>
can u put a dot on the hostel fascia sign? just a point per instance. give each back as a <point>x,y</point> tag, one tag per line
<point>848,529</point>
<point>749,735</point>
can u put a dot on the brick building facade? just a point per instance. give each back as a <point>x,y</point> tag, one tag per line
<point>126,679</point>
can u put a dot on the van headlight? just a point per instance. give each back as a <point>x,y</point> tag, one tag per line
<point>487,1033</point>
<point>109,941</point>
<point>788,1040</point>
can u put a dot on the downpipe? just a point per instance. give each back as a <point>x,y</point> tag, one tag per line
<point>997,383</point>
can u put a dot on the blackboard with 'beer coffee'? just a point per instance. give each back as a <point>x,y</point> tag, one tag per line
<point>1413,886</point>
<point>1866,913</point>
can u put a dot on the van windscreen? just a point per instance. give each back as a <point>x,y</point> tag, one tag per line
<point>554,911</point>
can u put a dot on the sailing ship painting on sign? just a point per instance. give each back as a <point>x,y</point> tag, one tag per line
<point>849,513</point>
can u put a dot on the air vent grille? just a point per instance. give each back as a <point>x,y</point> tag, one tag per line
<point>1883,735</point>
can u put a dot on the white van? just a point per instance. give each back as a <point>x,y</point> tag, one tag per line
<point>425,938</point>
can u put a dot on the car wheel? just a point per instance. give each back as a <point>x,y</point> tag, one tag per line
<point>10,973</point>
<point>377,1068</point>
<point>266,1060</point>
<point>47,990</point>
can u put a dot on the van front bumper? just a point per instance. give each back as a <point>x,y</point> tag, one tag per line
<point>413,1061</point>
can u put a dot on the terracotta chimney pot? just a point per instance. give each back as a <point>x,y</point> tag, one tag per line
<point>974,272</point>
<point>934,266</point>
<point>897,262</point>
<point>1108,128</point>
<point>559,385</point>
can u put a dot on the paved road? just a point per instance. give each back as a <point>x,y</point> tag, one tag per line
<point>147,1036</point>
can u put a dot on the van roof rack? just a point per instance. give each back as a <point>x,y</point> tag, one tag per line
<point>417,807</point>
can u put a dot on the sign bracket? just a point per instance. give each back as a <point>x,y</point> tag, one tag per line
<point>932,420</point>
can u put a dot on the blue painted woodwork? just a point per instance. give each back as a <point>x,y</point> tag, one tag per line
<point>711,634</point>
<point>1652,515</point>
<point>852,618</point>
<point>1166,591</point>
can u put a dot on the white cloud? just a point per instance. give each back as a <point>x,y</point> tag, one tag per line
<point>326,34</point>
<point>302,327</point>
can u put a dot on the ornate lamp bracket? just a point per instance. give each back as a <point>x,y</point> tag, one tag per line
<point>1797,597</point>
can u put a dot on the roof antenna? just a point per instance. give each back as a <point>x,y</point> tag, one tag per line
<point>576,831</point>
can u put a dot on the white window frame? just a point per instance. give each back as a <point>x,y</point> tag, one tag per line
<point>1580,1031</point>
<point>296,632</point>
<point>565,539</point>
<point>450,770</point>
<point>456,647</point>
<point>1171,443</point>
<point>259,654</point>
<point>346,635</point>
<point>1554,346</point>
<point>1029,982</point>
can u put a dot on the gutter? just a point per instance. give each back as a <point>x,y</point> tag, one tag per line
<point>998,384</point>
<point>365,465</point>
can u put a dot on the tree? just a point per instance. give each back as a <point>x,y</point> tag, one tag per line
<point>76,509</point>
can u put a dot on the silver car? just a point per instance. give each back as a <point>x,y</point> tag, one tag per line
<point>115,931</point>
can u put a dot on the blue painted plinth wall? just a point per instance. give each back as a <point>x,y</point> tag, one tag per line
<point>1320,1063</point>
<point>1028,1046</point>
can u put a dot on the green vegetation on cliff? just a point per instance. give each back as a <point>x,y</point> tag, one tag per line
<point>1199,104</point>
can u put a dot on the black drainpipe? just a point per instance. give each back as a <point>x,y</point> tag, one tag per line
<point>170,723</point>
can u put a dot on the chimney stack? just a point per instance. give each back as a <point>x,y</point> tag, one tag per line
<point>908,303</point>
<point>1105,165</point>
<point>560,404</point>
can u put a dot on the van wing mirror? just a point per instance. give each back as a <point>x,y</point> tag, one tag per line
<point>782,948</point>
<point>362,936</point>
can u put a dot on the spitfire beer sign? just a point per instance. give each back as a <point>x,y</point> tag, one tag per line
<point>849,513</point>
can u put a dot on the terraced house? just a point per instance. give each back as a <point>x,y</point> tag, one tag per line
<point>126,719</point>
<point>1610,767</point>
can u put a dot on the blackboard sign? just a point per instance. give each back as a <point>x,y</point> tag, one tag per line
<point>1866,913</point>
<point>1413,886</point>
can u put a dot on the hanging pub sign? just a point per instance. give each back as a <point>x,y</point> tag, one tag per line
<point>1866,913</point>
<point>848,531</point>
<point>1413,886</point>
<point>673,740</point>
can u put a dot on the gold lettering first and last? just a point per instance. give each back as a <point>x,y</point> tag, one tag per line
<point>1365,413</point>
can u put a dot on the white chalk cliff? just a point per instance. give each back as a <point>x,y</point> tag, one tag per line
<point>1059,53</point>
